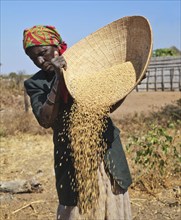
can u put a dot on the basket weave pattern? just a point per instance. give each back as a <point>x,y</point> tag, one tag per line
<point>126,39</point>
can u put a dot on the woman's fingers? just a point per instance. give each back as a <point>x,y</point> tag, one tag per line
<point>56,54</point>
<point>59,61</point>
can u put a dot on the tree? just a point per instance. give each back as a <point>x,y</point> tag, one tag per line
<point>12,75</point>
<point>162,52</point>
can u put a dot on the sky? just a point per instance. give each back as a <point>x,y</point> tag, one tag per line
<point>76,19</point>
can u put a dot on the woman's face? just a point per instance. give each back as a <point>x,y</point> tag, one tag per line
<point>42,56</point>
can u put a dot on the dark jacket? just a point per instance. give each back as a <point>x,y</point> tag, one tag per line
<point>38,87</point>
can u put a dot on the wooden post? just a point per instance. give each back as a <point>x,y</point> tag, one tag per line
<point>147,83</point>
<point>137,89</point>
<point>155,79</point>
<point>26,101</point>
<point>179,81</point>
<point>171,79</point>
<point>162,83</point>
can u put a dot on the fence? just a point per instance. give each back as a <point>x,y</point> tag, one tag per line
<point>163,74</point>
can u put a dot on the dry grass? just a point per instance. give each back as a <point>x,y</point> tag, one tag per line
<point>13,117</point>
<point>14,122</point>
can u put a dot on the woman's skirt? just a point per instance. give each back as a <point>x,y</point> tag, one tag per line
<point>110,206</point>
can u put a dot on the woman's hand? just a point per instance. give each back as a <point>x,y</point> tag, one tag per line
<point>59,63</point>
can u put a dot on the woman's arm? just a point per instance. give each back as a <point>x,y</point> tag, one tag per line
<point>49,110</point>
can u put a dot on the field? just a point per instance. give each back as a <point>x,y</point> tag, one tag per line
<point>144,117</point>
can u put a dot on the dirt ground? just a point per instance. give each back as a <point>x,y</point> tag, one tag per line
<point>145,102</point>
<point>27,157</point>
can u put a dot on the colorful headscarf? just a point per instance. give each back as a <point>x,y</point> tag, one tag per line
<point>43,35</point>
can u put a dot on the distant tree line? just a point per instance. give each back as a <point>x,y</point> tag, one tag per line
<point>20,75</point>
<point>14,80</point>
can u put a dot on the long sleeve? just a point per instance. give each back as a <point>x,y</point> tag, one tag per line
<point>45,98</point>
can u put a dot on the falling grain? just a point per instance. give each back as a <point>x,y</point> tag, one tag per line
<point>94,94</point>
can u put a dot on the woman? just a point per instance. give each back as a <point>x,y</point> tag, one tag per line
<point>49,100</point>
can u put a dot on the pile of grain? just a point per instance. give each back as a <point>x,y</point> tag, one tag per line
<point>94,93</point>
<point>103,88</point>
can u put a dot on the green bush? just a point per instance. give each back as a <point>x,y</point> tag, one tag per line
<point>154,150</point>
<point>162,52</point>
<point>155,155</point>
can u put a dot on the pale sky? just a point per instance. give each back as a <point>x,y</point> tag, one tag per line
<point>76,19</point>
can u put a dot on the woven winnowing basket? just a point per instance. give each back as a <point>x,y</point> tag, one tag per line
<point>126,39</point>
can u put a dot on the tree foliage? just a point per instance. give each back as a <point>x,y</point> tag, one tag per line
<point>162,52</point>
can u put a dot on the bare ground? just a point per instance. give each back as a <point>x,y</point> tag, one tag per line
<point>145,102</point>
<point>28,156</point>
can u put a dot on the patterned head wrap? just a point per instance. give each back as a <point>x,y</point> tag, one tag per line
<point>43,35</point>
